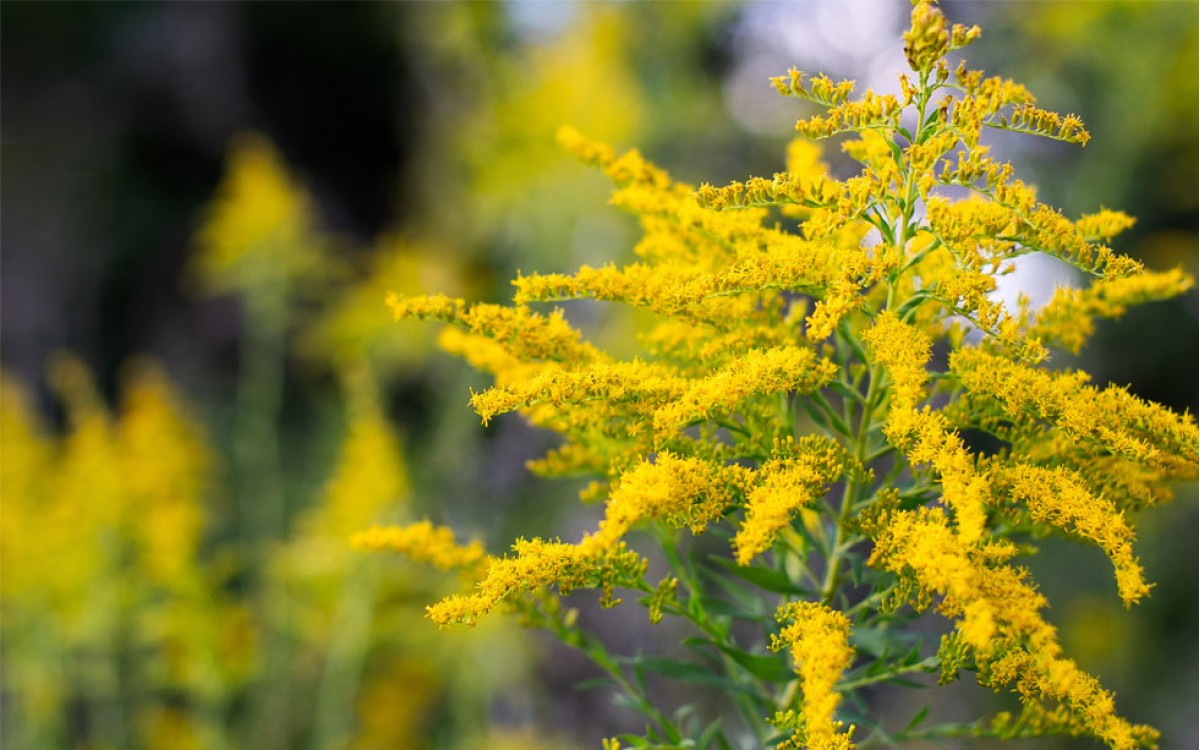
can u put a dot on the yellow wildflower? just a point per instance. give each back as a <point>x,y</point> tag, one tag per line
<point>424,542</point>
<point>817,638</point>
<point>167,462</point>
<point>783,486</point>
<point>519,330</point>
<point>1058,498</point>
<point>258,233</point>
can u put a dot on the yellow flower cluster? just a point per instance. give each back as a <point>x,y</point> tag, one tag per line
<point>683,492</point>
<point>999,620</point>
<point>140,480</point>
<point>873,110</point>
<point>424,542</point>
<point>101,543</point>
<point>258,233</point>
<point>1059,498</point>
<point>1030,119</point>
<point>928,40</point>
<point>821,88</point>
<point>369,480</point>
<point>1113,417</point>
<point>817,638</point>
<point>783,486</point>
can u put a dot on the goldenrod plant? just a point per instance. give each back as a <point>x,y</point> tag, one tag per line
<point>832,391</point>
<point>115,635</point>
<point>133,613</point>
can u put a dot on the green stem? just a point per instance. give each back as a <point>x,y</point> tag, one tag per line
<point>700,619</point>
<point>599,654</point>
<point>920,666</point>
<point>346,657</point>
<point>261,502</point>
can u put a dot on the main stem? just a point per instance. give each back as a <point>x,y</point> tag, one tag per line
<point>904,234</point>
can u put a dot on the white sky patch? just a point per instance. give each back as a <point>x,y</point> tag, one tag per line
<point>1037,276</point>
<point>541,19</point>
<point>841,38</point>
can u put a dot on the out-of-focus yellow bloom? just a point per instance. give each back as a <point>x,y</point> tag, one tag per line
<point>581,77</point>
<point>355,326</point>
<point>259,231</point>
<point>370,480</point>
<point>26,464</point>
<point>102,546</point>
<point>168,466</point>
<point>393,706</point>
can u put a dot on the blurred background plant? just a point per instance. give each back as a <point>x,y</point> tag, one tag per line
<point>175,570</point>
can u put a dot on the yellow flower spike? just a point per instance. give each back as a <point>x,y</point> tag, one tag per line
<point>903,351</point>
<point>1058,498</point>
<point>927,39</point>
<point>259,230</point>
<point>643,384</point>
<point>522,332</point>
<point>783,487</point>
<point>817,638</point>
<point>780,369</point>
<point>425,543</point>
<point>167,461</point>
<point>1141,431</point>
<point>682,491</point>
<point>999,619</point>
<point>1067,320</point>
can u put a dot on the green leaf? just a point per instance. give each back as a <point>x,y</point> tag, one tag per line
<point>764,667</point>
<point>871,641</point>
<point>743,596</point>
<point>845,391</point>
<point>711,734</point>
<point>815,414</point>
<point>688,672</point>
<point>715,606</point>
<point>630,702</point>
<point>912,303</point>
<point>858,567</point>
<point>765,578</point>
<point>595,683</point>
<point>916,720</point>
